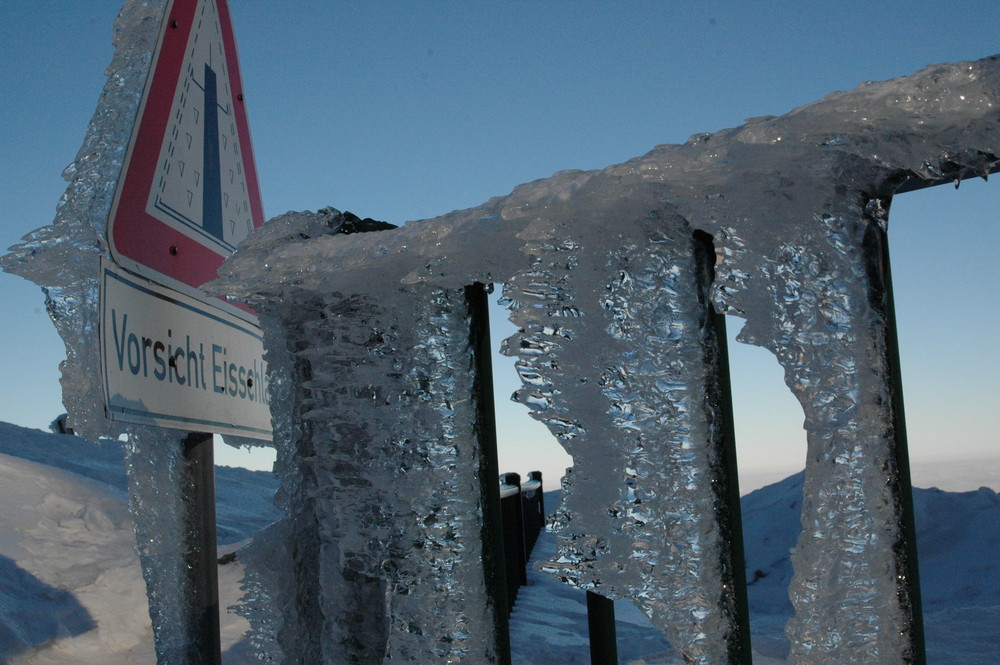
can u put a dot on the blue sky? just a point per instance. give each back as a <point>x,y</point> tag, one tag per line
<point>407,110</point>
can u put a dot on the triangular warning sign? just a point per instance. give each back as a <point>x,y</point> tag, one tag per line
<point>188,191</point>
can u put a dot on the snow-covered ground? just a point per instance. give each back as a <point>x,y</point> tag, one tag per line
<point>71,589</point>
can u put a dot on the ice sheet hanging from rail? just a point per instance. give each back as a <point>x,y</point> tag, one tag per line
<point>617,355</point>
<point>793,203</point>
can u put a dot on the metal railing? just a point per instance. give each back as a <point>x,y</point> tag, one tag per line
<point>522,507</point>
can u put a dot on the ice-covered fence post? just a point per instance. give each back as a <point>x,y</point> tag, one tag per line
<point>620,356</point>
<point>726,473</point>
<point>381,454</point>
<point>877,252</point>
<point>855,587</point>
<point>171,480</point>
<point>486,429</point>
<point>882,299</point>
<point>818,298</point>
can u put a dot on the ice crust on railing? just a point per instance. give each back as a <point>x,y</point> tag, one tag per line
<point>379,462</point>
<point>795,205</point>
<point>632,368</point>
<point>755,187</point>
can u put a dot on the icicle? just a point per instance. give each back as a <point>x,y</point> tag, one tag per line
<point>63,258</point>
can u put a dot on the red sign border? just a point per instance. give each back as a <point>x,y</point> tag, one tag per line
<point>138,241</point>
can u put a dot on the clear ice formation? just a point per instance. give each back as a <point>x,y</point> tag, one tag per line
<point>601,279</point>
<point>632,419</point>
<point>614,355</point>
<point>381,545</point>
<point>64,257</point>
<point>623,370</point>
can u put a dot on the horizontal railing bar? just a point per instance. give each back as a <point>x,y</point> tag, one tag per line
<point>914,184</point>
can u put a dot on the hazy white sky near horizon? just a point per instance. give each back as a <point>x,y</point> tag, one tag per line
<point>407,110</point>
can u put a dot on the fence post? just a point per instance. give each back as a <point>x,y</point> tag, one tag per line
<point>537,475</point>
<point>492,533</point>
<point>533,512</point>
<point>513,535</point>
<point>857,560</point>
<point>728,493</point>
<point>601,626</point>
<point>201,556</point>
<point>881,299</point>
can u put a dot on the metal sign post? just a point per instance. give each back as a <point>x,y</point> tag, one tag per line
<point>203,641</point>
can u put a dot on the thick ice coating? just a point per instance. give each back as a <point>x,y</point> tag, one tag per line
<point>599,268</point>
<point>381,479</point>
<point>625,374</point>
<point>636,388</point>
<point>368,343</point>
<point>63,258</point>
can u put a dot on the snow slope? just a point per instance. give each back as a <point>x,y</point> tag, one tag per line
<point>71,589</point>
<point>244,497</point>
<point>67,549</point>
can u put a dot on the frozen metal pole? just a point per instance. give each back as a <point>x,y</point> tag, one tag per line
<point>492,533</point>
<point>730,515</point>
<point>602,630</point>
<point>876,251</point>
<point>201,556</point>
<point>855,588</point>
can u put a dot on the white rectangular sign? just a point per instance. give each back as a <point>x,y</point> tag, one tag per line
<point>172,361</point>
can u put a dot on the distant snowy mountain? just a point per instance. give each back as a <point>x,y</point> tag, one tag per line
<point>958,538</point>
<point>71,590</point>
